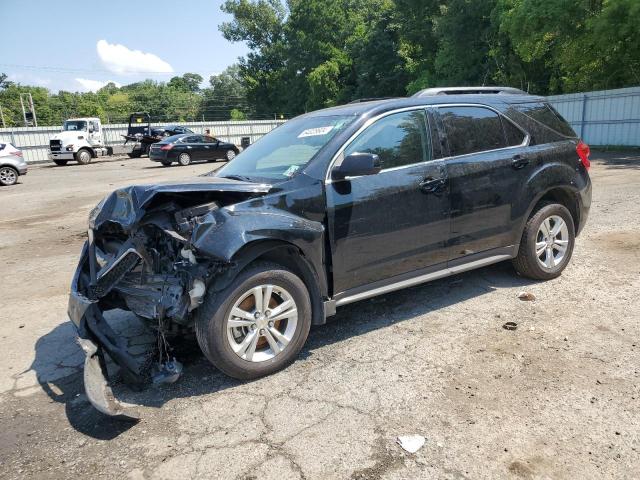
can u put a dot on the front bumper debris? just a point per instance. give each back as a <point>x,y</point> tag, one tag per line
<point>96,337</point>
<point>96,385</point>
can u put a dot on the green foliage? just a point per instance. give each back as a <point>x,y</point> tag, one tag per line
<point>179,99</point>
<point>237,114</point>
<point>309,54</point>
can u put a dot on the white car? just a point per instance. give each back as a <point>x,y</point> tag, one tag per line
<point>12,164</point>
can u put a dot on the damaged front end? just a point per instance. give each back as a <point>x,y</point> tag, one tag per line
<point>142,256</point>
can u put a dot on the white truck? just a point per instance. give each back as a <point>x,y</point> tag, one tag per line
<point>82,140</point>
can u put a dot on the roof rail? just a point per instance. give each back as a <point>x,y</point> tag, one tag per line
<point>469,91</point>
<point>370,99</point>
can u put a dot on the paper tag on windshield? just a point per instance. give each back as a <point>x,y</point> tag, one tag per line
<point>291,170</point>
<point>314,132</point>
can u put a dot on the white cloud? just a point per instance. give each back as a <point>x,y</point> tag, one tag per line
<point>119,59</point>
<point>94,85</point>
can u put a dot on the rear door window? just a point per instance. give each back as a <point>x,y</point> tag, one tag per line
<point>515,136</point>
<point>472,129</point>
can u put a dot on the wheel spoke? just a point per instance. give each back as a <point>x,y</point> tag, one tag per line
<point>248,346</point>
<point>549,260</point>
<point>273,343</point>
<point>557,227</point>
<point>546,227</point>
<point>540,248</point>
<point>281,308</point>
<point>238,312</point>
<point>561,245</point>
<point>266,297</point>
<point>281,338</point>
<point>239,323</point>
<point>257,294</point>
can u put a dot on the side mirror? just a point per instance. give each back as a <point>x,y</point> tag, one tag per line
<point>357,164</point>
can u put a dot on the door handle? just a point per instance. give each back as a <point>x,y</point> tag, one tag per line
<point>432,185</point>
<point>518,162</point>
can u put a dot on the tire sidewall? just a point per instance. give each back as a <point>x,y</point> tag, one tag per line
<point>219,348</point>
<point>542,214</point>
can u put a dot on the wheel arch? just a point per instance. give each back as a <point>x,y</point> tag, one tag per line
<point>289,256</point>
<point>562,195</point>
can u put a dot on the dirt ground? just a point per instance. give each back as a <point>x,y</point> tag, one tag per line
<point>559,397</point>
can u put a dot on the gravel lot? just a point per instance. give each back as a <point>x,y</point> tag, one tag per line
<point>559,397</point>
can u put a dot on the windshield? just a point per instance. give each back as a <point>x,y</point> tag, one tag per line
<point>286,149</point>
<point>71,125</point>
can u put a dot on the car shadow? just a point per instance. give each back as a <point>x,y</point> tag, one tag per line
<point>200,378</point>
<point>618,159</point>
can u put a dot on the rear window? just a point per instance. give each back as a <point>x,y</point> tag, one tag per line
<point>546,115</point>
<point>472,129</point>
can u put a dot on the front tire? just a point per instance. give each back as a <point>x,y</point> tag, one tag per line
<point>547,243</point>
<point>83,157</point>
<point>230,155</point>
<point>184,159</point>
<point>258,324</point>
<point>8,176</point>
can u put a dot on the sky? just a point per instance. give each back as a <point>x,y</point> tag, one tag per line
<point>81,45</point>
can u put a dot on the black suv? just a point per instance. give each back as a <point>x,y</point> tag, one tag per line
<point>330,208</point>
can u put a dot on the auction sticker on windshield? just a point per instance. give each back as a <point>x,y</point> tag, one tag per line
<point>314,132</point>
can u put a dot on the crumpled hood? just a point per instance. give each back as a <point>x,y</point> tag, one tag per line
<point>69,136</point>
<point>126,206</point>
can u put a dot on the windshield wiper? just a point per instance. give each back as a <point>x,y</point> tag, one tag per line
<point>237,177</point>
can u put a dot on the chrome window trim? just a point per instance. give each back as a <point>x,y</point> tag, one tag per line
<point>372,120</point>
<point>367,124</point>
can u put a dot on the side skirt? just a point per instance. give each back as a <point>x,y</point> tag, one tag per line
<point>411,279</point>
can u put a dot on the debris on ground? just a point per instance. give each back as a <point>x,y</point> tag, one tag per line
<point>510,325</point>
<point>526,296</point>
<point>411,443</point>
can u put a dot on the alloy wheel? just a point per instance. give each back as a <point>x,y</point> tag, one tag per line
<point>231,155</point>
<point>184,159</point>
<point>8,176</point>
<point>261,323</point>
<point>552,241</point>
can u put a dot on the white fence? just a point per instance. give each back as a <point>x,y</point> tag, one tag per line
<point>605,117</point>
<point>34,141</point>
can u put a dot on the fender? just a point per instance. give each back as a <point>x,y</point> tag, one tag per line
<point>239,236</point>
<point>548,177</point>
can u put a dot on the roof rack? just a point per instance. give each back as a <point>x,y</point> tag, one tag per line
<point>370,99</point>
<point>469,91</point>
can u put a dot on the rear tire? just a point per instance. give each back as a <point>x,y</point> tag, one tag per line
<point>545,253</point>
<point>8,176</point>
<point>221,341</point>
<point>230,155</point>
<point>84,156</point>
<point>166,164</point>
<point>60,163</point>
<point>184,159</point>
<point>135,154</point>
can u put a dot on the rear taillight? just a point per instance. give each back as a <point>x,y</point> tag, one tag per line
<point>166,147</point>
<point>583,151</point>
<point>17,153</point>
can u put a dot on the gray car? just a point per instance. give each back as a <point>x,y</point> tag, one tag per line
<point>12,164</point>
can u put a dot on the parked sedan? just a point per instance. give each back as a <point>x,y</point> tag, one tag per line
<point>186,148</point>
<point>12,164</point>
